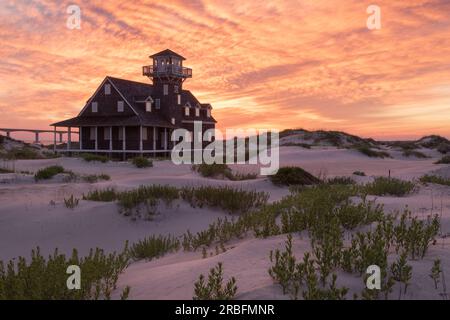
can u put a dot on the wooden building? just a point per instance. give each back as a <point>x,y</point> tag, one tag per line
<point>129,117</point>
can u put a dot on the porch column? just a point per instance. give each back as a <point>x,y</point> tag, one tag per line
<point>154,138</point>
<point>36,136</point>
<point>54,138</point>
<point>140,139</point>
<point>80,137</point>
<point>60,137</point>
<point>165,138</point>
<point>124,142</point>
<point>110,138</point>
<point>69,138</point>
<point>96,138</point>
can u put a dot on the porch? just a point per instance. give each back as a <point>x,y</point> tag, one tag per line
<point>116,139</point>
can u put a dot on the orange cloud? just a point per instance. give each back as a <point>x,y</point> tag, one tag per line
<point>278,64</point>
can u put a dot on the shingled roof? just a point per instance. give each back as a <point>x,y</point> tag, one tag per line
<point>167,52</point>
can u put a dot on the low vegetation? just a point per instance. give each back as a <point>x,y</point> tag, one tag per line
<point>341,180</point>
<point>368,151</point>
<point>414,153</point>
<point>214,288</point>
<point>142,162</point>
<point>383,186</point>
<point>92,178</point>
<point>153,247</point>
<point>106,195</point>
<point>444,160</point>
<point>71,202</point>
<point>359,173</point>
<point>144,200</point>
<point>94,157</point>
<point>435,179</point>
<point>289,176</point>
<point>43,278</point>
<point>48,172</point>
<point>217,170</point>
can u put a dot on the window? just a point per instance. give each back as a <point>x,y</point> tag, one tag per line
<point>119,106</point>
<point>175,89</point>
<point>107,89</point>
<point>166,89</point>
<point>157,103</point>
<point>106,133</point>
<point>94,106</point>
<point>148,106</point>
<point>144,133</point>
<point>121,133</point>
<point>197,112</point>
<point>208,113</point>
<point>179,99</point>
<point>92,133</point>
<point>186,111</point>
<point>173,120</point>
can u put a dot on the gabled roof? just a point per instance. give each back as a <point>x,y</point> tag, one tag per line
<point>167,52</point>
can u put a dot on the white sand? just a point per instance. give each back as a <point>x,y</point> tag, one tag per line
<point>27,220</point>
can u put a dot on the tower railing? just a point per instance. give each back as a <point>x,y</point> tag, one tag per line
<point>168,70</point>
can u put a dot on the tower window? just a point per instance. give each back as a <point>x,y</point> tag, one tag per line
<point>107,89</point>
<point>173,120</point>
<point>186,111</point>
<point>148,106</point>
<point>166,89</point>
<point>119,106</point>
<point>179,99</point>
<point>208,113</point>
<point>157,103</point>
<point>94,106</point>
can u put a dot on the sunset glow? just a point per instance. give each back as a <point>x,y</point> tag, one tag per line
<point>262,64</point>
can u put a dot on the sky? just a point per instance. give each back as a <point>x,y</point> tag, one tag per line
<point>310,64</point>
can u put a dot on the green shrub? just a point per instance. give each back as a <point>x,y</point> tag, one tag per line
<point>443,148</point>
<point>435,179</point>
<point>24,153</point>
<point>154,247</point>
<point>224,197</point>
<point>142,162</point>
<point>443,160</point>
<point>414,153</point>
<point>293,176</point>
<point>92,178</point>
<point>45,278</point>
<point>217,170</point>
<point>107,195</point>
<point>71,202</point>
<point>341,180</point>
<point>364,149</point>
<point>48,172</point>
<point>382,186</point>
<point>359,173</point>
<point>214,289</point>
<point>94,157</point>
